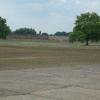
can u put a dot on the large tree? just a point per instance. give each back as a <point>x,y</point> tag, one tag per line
<point>4,28</point>
<point>25,31</point>
<point>88,25</point>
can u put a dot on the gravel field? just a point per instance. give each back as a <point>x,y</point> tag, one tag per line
<point>57,83</point>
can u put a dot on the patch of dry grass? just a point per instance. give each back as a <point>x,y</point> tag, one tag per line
<point>15,57</point>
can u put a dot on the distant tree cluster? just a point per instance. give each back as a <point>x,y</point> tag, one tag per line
<point>87,28</point>
<point>25,31</point>
<point>5,31</point>
<point>44,33</point>
<point>61,34</point>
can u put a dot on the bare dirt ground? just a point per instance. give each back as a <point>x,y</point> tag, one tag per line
<point>49,73</point>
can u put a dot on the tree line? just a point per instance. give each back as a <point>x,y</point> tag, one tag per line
<point>5,30</point>
<point>87,28</point>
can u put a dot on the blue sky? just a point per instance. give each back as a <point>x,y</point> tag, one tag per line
<point>46,15</point>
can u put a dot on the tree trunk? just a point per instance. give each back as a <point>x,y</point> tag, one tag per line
<point>87,40</point>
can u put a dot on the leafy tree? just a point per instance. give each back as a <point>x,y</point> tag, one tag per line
<point>4,29</point>
<point>78,36</point>
<point>25,31</point>
<point>72,37</point>
<point>89,25</point>
<point>61,34</point>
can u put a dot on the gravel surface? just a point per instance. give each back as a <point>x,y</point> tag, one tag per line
<point>55,83</point>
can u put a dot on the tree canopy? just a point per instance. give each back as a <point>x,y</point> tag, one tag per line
<point>78,36</point>
<point>87,27</point>
<point>25,31</point>
<point>61,34</point>
<point>4,28</point>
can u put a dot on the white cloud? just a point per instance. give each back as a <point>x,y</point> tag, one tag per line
<point>87,4</point>
<point>47,15</point>
<point>32,7</point>
<point>56,2</point>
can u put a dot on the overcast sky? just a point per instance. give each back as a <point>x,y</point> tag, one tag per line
<point>46,15</point>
